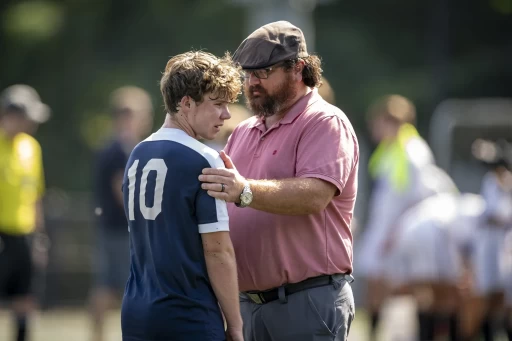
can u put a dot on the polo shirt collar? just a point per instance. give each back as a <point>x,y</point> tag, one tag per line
<point>299,107</point>
<point>256,122</point>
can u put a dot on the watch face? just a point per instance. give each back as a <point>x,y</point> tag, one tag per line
<point>246,198</point>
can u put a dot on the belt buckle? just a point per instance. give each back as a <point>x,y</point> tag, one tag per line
<point>256,298</point>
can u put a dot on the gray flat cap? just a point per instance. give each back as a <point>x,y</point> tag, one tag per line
<point>271,44</point>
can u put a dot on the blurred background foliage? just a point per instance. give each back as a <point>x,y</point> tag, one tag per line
<point>75,52</point>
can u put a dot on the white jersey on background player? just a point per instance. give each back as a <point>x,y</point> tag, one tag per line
<point>431,237</point>
<point>386,206</point>
<point>489,238</point>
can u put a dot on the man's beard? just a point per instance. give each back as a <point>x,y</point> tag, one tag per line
<point>265,105</point>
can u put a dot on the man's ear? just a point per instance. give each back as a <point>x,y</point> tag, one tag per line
<point>299,67</point>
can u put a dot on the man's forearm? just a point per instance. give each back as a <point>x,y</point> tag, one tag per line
<point>292,196</point>
<point>222,272</point>
<point>298,196</point>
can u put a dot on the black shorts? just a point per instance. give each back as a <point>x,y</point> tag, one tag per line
<point>15,266</point>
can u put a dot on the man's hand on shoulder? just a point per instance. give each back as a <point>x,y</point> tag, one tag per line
<point>225,184</point>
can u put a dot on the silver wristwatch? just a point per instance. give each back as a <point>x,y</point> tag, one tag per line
<point>245,197</point>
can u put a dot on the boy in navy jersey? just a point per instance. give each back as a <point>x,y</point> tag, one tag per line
<point>182,260</point>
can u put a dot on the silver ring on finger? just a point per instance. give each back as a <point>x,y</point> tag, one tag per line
<point>223,187</point>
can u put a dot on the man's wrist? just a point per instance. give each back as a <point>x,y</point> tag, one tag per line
<point>246,196</point>
<point>238,198</point>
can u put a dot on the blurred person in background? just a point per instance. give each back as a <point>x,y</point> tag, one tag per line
<point>428,246</point>
<point>238,114</point>
<point>291,194</point>
<point>496,190</point>
<point>183,267</point>
<point>327,92</point>
<point>394,167</point>
<point>506,274</point>
<point>505,257</point>
<point>23,241</point>
<point>132,114</point>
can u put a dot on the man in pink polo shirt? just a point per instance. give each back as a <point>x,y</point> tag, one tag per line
<point>292,180</point>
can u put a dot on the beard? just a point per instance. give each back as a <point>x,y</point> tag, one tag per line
<point>266,105</point>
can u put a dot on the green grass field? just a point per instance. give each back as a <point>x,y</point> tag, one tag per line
<point>73,325</point>
<point>62,325</point>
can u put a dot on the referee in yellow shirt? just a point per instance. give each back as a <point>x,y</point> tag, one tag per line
<point>23,243</point>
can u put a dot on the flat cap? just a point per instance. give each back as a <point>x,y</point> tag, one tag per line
<point>271,44</point>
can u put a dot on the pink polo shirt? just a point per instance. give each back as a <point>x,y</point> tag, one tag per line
<point>313,140</point>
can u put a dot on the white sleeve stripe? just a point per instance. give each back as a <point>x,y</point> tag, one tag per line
<point>214,227</point>
<point>222,211</point>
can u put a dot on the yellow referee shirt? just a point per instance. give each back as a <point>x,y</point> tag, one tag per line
<point>21,183</point>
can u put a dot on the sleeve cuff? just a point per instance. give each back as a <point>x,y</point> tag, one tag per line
<point>329,179</point>
<point>214,227</point>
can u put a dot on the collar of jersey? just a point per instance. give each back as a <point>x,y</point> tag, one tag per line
<point>174,131</point>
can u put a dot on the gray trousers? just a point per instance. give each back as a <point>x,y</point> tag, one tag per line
<point>318,314</point>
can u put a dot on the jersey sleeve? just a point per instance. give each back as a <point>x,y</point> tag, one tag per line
<point>328,151</point>
<point>211,213</point>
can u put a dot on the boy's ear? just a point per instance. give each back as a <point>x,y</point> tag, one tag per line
<point>185,103</point>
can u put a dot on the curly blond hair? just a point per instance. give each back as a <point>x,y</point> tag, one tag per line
<point>197,73</point>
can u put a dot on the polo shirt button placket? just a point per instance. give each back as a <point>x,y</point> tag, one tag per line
<point>259,147</point>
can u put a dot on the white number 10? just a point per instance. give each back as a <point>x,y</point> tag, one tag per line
<point>149,213</point>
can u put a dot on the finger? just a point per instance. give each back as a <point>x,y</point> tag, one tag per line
<point>213,187</point>
<point>218,195</point>
<point>227,160</point>
<point>214,179</point>
<point>216,171</point>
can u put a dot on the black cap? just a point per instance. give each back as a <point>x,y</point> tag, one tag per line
<point>271,44</point>
<point>25,99</point>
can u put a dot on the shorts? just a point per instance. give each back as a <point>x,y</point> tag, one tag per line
<point>112,259</point>
<point>488,245</point>
<point>16,267</point>
<point>505,265</point>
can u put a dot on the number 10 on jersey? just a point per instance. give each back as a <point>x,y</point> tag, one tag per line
<point>149,213</point>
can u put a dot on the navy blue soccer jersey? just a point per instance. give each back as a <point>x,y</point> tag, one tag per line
<point>168,295</point>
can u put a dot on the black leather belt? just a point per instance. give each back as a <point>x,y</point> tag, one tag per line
<point>262,297</point>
